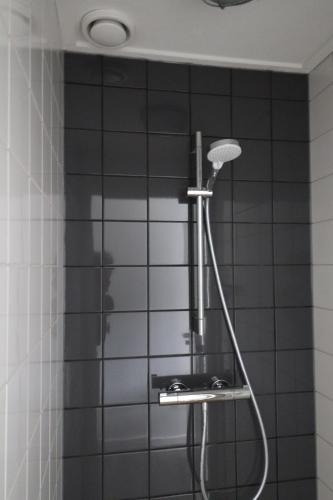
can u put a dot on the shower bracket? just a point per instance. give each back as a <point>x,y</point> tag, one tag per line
<point>195,192</point>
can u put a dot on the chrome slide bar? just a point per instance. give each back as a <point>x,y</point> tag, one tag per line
<point>206,396</point>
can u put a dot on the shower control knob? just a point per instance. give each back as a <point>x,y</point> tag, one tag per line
<point>218,383</point>
<point>177,385</point>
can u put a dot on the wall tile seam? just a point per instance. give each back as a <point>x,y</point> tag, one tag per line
<point>313,97</point>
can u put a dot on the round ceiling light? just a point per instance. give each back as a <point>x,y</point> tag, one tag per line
<point>103,28</point>
<point>225,3</point>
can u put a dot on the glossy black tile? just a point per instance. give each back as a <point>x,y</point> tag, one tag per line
<point>170,426</point>
<point>291,202</point>
<point>296,458</point>
<point>83,68</point>
<point>292,244</point>
<point>169,76</point>
<point>116,469</point>
<point>211,295</point>
<point>248,83</point>
<point>222,237</point>
<point>251,118</point>
<point>83,289</point>
<point>291,161</point>
<point>254,164</point>
<point>83,107</point>
<point>177,462</point>
<point>83,478</point>
<point>210,80</point>
<point>169,155</point>
<point>124,110</point>
<point>247,426</point>
<point>211,115</point>
<point>305,489</point>
<point>83,197</point>
<point>290,86</point>
<point>250,462</point>
<point>168,112</point>
<point>120,373</point>
<point>125,198</point>
<point>269,492</point>
<point>219,495</point>
<point>162,367</point>
<point>177,497</point>
<point>120,72</point>
<point>252,201</point>
<point>168,243</point>
<point>217,476</point>
<point>295,414</point>
<point>170,333</point>
<point>216,337</point>
<point>125,289</point>
<point>83,243</point>
<point>253,244</point>
<point>293,286</point>
<point>125,428</point>
<point>83,336</point>
<point>294,371</point>
<point>261,370</point>
<point>219,366</point>
<point>253,286</point>
<point>293,328</point>
<point>83,151</point>
<point>169,288</point>
<point>290,121</point>
<point>83,384</point>
<point>82,432</point>
<point>221,204</point>
<point>125,335</point>
<point>168,200</point>
<point>255,329</point>
<point>124,153</point>
<point>125,244</point>
<point>220,426</point>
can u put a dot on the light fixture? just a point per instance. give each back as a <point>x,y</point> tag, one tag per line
<point>105,28</point>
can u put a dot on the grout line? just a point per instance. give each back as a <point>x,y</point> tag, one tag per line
<point>101,281</point>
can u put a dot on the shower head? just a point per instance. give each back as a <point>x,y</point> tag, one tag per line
<point>222,151</point>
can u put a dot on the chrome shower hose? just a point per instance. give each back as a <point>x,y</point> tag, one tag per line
<point>243,370</point>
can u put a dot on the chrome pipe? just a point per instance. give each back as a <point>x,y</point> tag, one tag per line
<point>207,396</point>
<point>201,312</point>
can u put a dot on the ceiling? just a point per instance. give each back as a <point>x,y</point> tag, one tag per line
<point>285,35</point>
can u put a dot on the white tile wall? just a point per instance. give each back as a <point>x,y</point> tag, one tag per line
<point>321,126</point>
<point>31,250</point>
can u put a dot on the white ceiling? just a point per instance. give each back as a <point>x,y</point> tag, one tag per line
<point>287,35</point>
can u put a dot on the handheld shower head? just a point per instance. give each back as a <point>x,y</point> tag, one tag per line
<point>219,153</point>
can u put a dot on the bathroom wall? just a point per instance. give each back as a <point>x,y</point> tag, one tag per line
<point>321,126</point>
<point>31,251</point>
<point>130,273</point>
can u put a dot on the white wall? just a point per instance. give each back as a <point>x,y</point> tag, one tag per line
<point>321,126</point>
<point>31,251</point>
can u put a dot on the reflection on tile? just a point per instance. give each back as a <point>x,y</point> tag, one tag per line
<point>125,428</point>
<point>83,243</point>
<point>250,459</point>
<point>178,464</point>
<point>294,371</point>
<point>116,468</point>
<point>215,365</point>
<point>118,372</point>
<point>255,329</point>
<point>254,164</point>
<point>291,202</point>
<point>289,86</point>
<point>169,288</point>
<point>252,202</point>
<point>125,198</point>
<point>304,489</point>
<point>83,478</point>
<point>221,205</point>
<point>168,200</point>
<point>251,118</point>
<point>83,289</point>
<point>211,295</point>
<point>173,366</point>
<point>249,83</point>
<point>125,244</point>
<point>290,120</point>
<point>216,336</point>
<point>293,286</point>
<point>296,457</point>
<point>82,432</point>
<point>291,161</point>
<point>168,243</point>
<point>125,335</point>
<point>295,414</point>
<point>210,80</point>
<point>253,244</point>
<point>293,328</point>
<point>168,112</point>
<point>261,370</point>
<point>247,426</point>
<point>168,76</point>
<point>169,155</point>
<point>122,72</point>
<point>83,384</point>
<point>253,286</point>
<point>83,107</point>
<point>83,68</point>
<point>220,426</point>
<point>124,153</point>
<point>216,476</point>
<point>211,114</point>
<point>83,151</point>
<point>124,110</point>
<point>83,339</point>
<point>83,197</point>
<point>170,426</point>
<point>125,289</point>
<point>222,238</point>
<point>292,244</point>
<point>170,333</point>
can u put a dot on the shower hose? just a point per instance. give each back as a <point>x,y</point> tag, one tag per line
<point>243,370</point>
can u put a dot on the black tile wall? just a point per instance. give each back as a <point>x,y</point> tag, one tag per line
<point>131,269</point>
